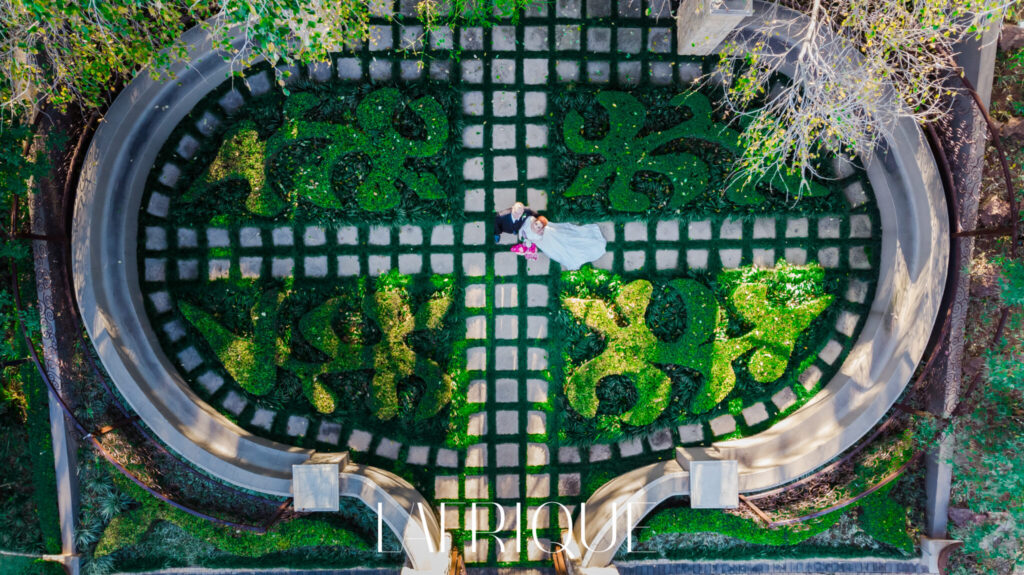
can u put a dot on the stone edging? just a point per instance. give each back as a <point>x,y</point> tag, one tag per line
<point>105,275</point>
<point>912,275</point>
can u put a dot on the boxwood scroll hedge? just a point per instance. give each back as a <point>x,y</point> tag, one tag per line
<point>243,156</point>
<point>253,359</point>
<point>764,313</point>
<point>627,149</point>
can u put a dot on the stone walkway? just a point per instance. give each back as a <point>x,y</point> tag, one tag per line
<point>507,75</point>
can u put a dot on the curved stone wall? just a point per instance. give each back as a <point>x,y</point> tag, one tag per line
<point>105,270</point>
<point>912,276</point>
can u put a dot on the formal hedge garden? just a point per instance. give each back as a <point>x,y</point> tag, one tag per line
<point>317,260</point>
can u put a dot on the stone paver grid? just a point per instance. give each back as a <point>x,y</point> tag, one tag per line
<point>504,157</point>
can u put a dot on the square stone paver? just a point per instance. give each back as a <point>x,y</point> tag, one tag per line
<point>666,259</point>
<point>477,392</point>
<point>506,169</point>
<point>281,267</point>
<point>796,228</point>
<point>846,323</point>
<point>568,454</point>
<point>378,265</point>
<point>723,424</point>
<point>537,454</point>
<point>828,228</point>
<point>796,256</point>
<point>506,358</point>
<point>474,265</point>
<point>631,447</point>
<point>699,230</point>
<point>506,390</point>
<point>660,440</point>
<point>506,486</point>
<point>476,327</point>
<point>477,424</point>
<point>667,231</point>
<point>828,257</point>
<point>474,234</point>
<point>507,422</point>
<point>348,236</point>
<point>764,228</point>
<point>506,264</point>
<point>187,238</point>
<point>633,260</point>
<point>830,353</point>
<point>410,263</point>
<point>784,398</point>
<point>731,259</point>
<point>732,229</point>
<point>692,433</point>
<point>535,104</point>
<point>505,295</point>
<point>755,414</point>
<point>388,448</point>
<point>506,326</point>
<point>442,263</point>
<point>418,455</point>
<point>156,270</point>
<point>537,199</point>
<point>348,265</point>
<point>446,487</point>
<point>536,359</point>
<point>476,455</point>
<point>536,391</point>
<point>697,259</point>
<point>539,266</point>
<point>538,485</point>
<point>476,358</point>
<point>188,269</point>
<point>810,377</point>
<point>601,452</point>
<point>447,458</point>
<point>476,295</point>
<point>219,269</point>
<point>331,433</point>
<point>536,295</point>
<point>536,423</point>
<point>507,455</point>
<point>635,232</point>
<point>569,484</point>
<point>283,236</point>
<point>263,418</point>
<point>536,327</point>
<point>297,426</point>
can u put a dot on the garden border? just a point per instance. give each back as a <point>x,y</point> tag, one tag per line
<point>106,270</point>
<point>908,296</point>
<point>103,247</point>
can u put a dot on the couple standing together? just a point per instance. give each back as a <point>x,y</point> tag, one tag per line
<point>568,244</point>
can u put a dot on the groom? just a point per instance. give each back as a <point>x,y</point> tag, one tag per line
<point>510,220</point>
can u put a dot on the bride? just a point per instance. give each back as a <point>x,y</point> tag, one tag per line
<point>568,244</point>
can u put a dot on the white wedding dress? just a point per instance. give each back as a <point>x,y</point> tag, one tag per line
<point>568,244</point>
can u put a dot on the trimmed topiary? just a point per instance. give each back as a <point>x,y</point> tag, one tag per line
<point>251,361</point>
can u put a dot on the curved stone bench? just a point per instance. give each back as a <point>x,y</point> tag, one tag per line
<point>912,275</point>
<point>106,284</point>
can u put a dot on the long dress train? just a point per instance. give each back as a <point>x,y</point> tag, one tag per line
<point>568,244</point>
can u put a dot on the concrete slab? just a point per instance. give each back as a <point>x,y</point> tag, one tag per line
<point>476,295</point>
<point>714,484</point>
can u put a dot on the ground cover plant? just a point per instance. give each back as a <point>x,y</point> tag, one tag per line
<point>313,312</point>
<point>679,355</point>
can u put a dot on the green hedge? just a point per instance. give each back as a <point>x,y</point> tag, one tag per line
<point>128,528</point>
<point>764,312</point>
<point>40,449</point>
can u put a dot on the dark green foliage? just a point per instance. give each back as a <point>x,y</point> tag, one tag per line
<point>40,449</point>
<point>686,335</point>
<point>886,520</point>
<point>657,151</point>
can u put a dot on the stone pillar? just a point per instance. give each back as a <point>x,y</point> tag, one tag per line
<point>701,25</point>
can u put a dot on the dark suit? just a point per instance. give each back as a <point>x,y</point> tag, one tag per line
<point>504,224</point>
